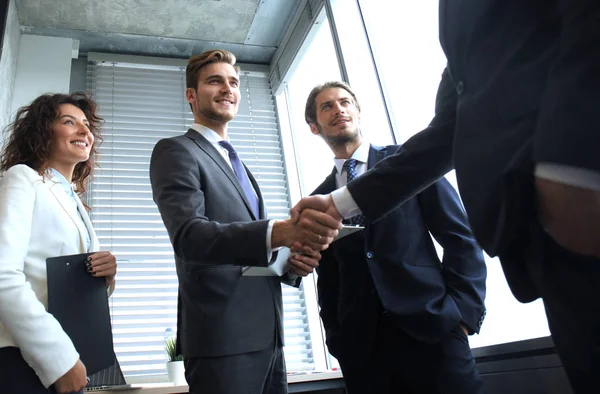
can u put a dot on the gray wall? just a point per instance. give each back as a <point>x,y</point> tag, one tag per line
<point>8,64</point>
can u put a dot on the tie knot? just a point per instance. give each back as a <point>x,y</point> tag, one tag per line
<point>228,146</point>
<point>350,165</point>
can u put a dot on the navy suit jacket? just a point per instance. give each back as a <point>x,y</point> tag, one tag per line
<point>521,87</point>
<point>392,267</point>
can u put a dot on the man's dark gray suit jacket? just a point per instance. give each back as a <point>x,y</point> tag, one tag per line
<point>214,233</point>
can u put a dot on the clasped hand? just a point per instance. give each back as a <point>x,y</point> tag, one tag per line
<point>307,234</point>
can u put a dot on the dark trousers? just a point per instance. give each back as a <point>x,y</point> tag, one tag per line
<point>569,285</point>
<point>261,372</point>
<point>401,364</point>
<point>16,376</point>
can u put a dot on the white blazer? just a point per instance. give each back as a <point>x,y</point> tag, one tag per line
<point>37,220</point>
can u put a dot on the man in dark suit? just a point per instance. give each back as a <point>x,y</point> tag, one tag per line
<point>396,317</point>
<point>516,115</point>
<point>230,329</point>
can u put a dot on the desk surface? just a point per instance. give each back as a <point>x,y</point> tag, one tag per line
<point>169,388</point>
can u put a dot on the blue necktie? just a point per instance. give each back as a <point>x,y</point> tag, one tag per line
<point>242,176</point>
<point>350,167</point>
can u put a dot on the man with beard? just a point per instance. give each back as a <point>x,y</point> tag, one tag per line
<point>230,328</point>
<point>396,317</point>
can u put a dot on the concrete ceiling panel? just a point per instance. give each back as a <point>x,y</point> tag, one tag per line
<point>252,29</point>
<point>209,20</point>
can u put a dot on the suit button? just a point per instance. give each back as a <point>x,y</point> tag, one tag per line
<point>369,255</point>
<point>460,87</point>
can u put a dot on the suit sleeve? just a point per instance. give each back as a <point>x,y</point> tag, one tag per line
<point>327,289</point>
<point>566,131</point>
<point>423,159</point>
<point>463,265</point>
<point>44,345</point>
<point>178,191</point>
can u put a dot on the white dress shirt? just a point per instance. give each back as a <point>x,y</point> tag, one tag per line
<point>68,188</point>
<point>214,139</point>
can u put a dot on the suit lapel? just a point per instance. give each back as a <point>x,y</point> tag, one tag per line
<point>211,152</point>
<point>328,184</point>
<point>64,201</point>
<point>376,154</point>
<point>94,245</point>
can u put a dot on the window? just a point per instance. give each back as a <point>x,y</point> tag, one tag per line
<point>404,40</point>
<point>307,155</point>
<point>313,157</point>
<point>362,77</point>
<point>142,104</point>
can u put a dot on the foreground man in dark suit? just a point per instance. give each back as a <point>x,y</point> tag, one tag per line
<point>396,317</point>
<point>230,328</point>
<point>517,116</point>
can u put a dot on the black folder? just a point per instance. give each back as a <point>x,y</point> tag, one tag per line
<point>79,302</point>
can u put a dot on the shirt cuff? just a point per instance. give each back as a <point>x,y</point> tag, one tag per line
<point>344,203</point>
<point>569,175</point>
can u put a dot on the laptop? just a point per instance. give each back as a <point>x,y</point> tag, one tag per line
<point>109,379</point>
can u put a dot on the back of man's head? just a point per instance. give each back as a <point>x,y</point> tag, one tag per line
<point>310,111</point>
<point>197,62</point>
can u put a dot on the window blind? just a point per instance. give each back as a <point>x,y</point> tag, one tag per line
<point>142,104</point>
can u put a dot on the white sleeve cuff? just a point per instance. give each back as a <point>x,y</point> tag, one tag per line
<point>569,175</point>
<point>344,203</point>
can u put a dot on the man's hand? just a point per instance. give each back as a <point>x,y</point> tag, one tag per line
<point>304,260</point>
<point>313,229</point>
<point>319,202</point>
<point>570,215</point>
<point>73,381</point>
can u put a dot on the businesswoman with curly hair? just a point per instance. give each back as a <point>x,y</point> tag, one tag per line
<point>46,160</point>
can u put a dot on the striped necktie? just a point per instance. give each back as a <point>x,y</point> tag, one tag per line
<point>350,167</point>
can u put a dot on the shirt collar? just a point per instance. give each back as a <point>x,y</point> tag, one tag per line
<point>207,133</point>
<point>68,188</point>
<point>361,154</point>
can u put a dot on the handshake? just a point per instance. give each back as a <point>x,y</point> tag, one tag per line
<point>314,224</point>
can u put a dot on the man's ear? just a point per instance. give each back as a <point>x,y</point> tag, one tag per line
<point>314,129</point>
<point>190,95</point>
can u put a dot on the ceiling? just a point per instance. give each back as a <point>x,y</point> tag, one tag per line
<point>251,29</point>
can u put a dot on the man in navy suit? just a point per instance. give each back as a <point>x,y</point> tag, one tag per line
<point>396,317</point>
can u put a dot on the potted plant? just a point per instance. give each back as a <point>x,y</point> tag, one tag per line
<point>175,368</point>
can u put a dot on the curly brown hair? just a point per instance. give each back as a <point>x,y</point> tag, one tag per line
<point>30,135</point>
